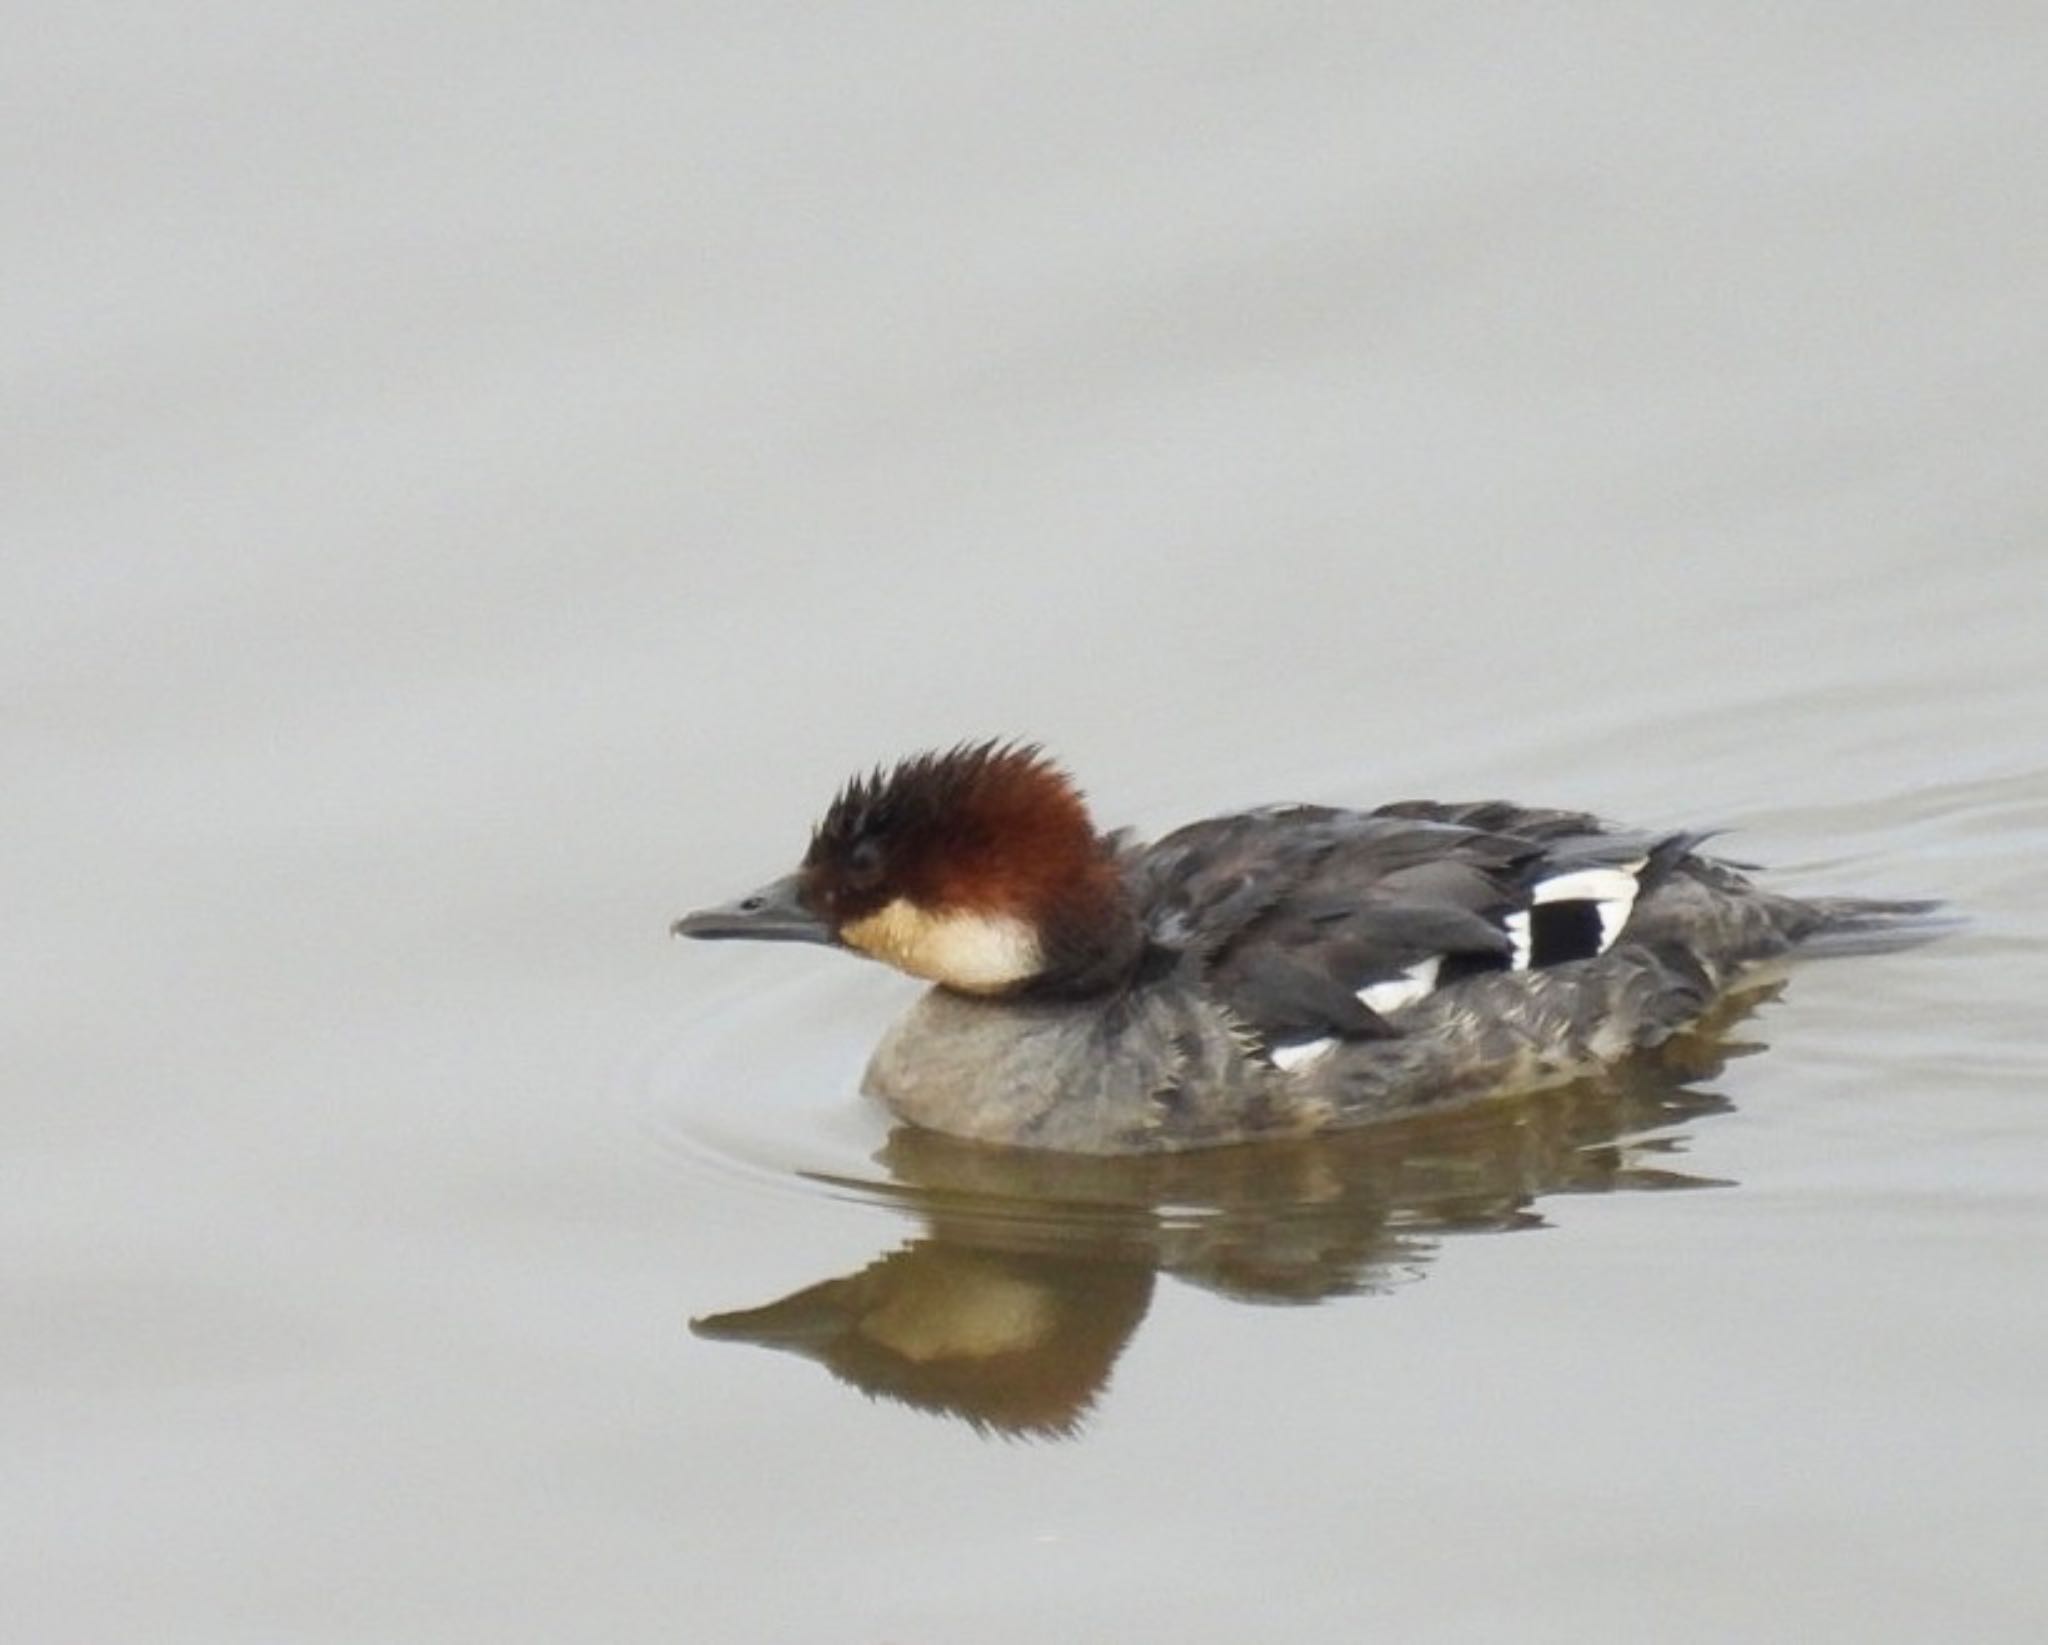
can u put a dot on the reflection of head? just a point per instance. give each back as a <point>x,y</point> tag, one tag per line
<point>1012,1342</point>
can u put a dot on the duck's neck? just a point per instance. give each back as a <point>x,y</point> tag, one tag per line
<point>1090,942</point>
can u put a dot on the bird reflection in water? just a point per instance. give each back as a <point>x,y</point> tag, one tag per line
<point>1034,1269</point>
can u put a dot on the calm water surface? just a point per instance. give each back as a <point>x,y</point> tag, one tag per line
<point>476,481</point>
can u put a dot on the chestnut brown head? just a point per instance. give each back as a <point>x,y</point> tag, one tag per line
<point>977,868</point>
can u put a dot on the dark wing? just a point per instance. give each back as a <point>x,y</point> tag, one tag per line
<point>1314,925</point>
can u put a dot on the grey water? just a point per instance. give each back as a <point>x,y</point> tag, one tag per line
<point>474,479</point>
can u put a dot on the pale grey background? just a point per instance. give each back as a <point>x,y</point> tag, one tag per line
<point>475,477</point>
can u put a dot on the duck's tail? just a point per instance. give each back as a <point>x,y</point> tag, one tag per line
<point>1871,925</point>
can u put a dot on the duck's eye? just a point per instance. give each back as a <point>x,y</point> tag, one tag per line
<point>864,866</point>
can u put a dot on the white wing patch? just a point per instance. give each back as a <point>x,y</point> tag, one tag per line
<point>1611,891</point>
<point>1288,1058</point>
<point>1411,985</point>
<point>1517,925</point>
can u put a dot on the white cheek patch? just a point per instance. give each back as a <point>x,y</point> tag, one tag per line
<point>974,953</point>
<point>1290,1058</point>
<point>1411,985</point>
<point>978,952</point>
<point>1611,891</point>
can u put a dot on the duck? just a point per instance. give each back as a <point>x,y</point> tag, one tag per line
<point>1269,973</point>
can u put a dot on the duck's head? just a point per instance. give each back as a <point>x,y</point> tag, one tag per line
<point>977,868</point>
